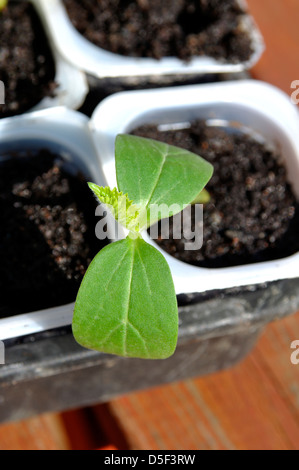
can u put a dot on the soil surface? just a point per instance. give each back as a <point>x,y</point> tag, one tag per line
<point>181,28</point>
<point>47,232</point>
<point>27,68</point>
<point>253,215</point>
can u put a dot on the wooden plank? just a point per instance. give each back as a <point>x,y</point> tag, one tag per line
<point>278,20</point>
<point>85,429</point>
<point>41,433</point>
<point>82,430</point>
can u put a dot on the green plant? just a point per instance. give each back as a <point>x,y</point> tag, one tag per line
<point>127,304</point>
<point>3,4</point>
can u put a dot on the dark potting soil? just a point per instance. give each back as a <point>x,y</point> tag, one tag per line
<point>253,215</point>
<point>181,28</point>
<point>27,68</point>
<point>47,231</point>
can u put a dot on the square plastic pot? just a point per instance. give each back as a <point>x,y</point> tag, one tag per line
<point>101,64</point>
<point>260,109</point>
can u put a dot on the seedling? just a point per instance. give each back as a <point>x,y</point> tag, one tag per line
<point>3,4</point>
<point>127,303</point>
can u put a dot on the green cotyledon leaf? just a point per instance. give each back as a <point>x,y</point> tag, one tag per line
<point>155,174</point>
<point>127,304</point>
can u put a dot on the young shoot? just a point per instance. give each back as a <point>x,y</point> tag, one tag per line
<point>127,303</point>
<point>3,4</point>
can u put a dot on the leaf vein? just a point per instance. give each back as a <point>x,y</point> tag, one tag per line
<point>127,306</point>
<point>164,157</point>
<point>139,336</point>
<point>145,273</point>
<point>106,339</point>
<point>115,270</point>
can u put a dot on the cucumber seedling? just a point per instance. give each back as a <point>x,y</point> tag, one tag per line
<point>127,303</point>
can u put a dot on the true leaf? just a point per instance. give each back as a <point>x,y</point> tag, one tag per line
<point>154,173</point>
<point>120,206</point>
<point>127,303</point>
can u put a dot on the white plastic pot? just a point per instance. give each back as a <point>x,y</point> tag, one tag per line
<point>72,84</point>
<point>102,64</point>
<point>69,131</point>
<point>261,109</point>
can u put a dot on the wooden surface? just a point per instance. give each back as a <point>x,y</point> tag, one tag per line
<point>253,406</point>
<point>279,22</point>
